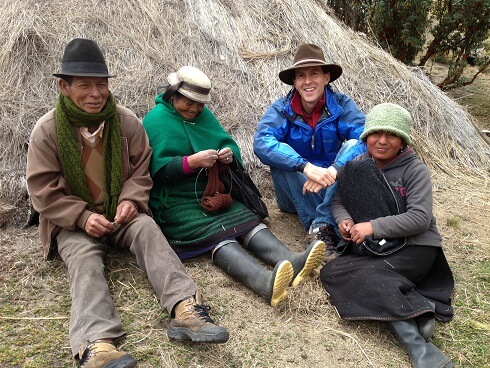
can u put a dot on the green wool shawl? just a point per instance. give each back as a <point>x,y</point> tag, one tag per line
<point>68,115</point>
<point>168,130</point>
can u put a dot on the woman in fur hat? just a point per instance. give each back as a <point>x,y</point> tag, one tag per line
<point>188,200</point>
<point>392,268</point>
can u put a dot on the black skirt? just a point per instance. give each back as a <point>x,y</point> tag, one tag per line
<point>399,286</point>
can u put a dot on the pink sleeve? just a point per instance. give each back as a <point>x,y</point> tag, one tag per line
<point>185,166</point>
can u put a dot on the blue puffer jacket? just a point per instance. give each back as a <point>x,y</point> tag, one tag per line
<point>285,141</point>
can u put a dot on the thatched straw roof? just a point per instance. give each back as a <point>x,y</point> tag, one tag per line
<point>241,45</point>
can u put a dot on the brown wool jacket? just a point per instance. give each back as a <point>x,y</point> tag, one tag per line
<point>49,192</point>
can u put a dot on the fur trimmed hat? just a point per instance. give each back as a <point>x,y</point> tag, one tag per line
<point>388,117</point>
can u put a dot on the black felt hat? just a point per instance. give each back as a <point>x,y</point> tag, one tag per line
<point>83,58</point>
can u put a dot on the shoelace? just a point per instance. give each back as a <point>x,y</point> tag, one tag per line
<point>324,235</point>
<point>202,311</point>
<point>88,352</point>
<point>327,237</point>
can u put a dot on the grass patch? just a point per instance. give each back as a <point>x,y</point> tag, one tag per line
<point>29,342</point>
<point>453,222</point>
<point>466,338</point>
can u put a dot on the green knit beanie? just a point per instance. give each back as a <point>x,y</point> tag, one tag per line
<point>388,117</point>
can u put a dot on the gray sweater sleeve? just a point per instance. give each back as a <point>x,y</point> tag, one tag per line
<point>338,210</point>
<point>418,216</point>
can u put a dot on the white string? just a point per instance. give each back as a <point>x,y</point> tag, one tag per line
<point>195,184</point>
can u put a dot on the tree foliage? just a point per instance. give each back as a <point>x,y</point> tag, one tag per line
<point>460,29</point>
<point>352,13</point>
<point>455,28</point>
<point>399,26</point>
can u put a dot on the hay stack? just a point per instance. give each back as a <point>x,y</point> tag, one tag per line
<point>241,46</point>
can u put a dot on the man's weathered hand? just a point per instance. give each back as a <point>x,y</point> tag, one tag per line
<point>125,212</point>
<point>97,225</point>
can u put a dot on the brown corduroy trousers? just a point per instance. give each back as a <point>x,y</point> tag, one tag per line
<point>93,315</point>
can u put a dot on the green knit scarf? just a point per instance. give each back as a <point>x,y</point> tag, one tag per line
<point>68,114</point>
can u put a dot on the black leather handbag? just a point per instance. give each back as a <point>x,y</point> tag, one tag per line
<point>241,187</point>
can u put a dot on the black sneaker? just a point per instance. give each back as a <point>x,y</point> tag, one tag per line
<point>328,235</point>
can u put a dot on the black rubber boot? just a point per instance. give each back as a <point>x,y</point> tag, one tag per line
<point>427,324</point>
<point>427,327</point>
<point>237,262</point>
<point>271,250</point>
<point>422,353</point>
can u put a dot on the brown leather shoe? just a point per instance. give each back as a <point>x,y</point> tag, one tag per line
<point>102,354</point>
<point>192,323</point>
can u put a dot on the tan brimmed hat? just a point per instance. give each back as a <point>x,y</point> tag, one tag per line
<point>309,55</point>
<point>192,83</point>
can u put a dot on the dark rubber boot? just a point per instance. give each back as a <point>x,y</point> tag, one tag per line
<point>422,353</point>
<point>427,325</point>
<point>271,250</point>
<point>271,285</point>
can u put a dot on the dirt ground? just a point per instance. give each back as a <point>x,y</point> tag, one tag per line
<point>303,332</point>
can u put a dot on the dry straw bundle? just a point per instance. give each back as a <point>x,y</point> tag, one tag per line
<point>241,46</point>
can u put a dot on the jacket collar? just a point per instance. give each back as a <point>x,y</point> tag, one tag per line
<point>331,107</point>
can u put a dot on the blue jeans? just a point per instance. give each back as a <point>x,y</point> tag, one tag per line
<point>313,209</point>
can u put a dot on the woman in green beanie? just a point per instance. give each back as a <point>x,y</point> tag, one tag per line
<point>188,200</point>
<point>392,268</point>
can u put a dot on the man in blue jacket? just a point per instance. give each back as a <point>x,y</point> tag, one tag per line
<point>305,137</point>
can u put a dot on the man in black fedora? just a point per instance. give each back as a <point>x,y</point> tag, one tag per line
<point>88,177</point>
<point>305,137</point>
